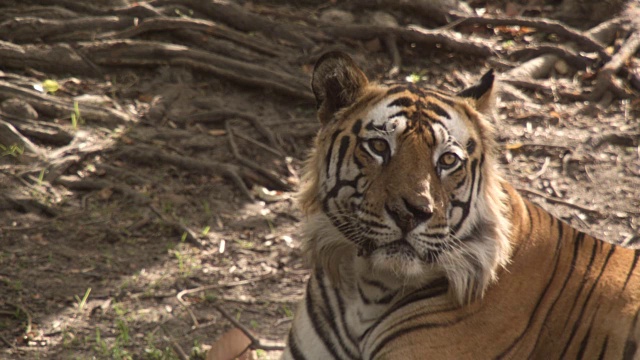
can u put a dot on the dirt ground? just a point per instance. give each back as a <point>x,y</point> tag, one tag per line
<point>113,245</point>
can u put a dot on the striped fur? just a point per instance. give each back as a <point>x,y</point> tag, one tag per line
<point>421,250</point>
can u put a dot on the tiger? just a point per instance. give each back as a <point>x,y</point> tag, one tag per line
<point>419,249</point>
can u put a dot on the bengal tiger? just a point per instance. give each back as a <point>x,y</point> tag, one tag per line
<point>420,250</point>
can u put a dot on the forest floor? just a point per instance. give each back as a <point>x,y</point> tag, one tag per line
<point>151,152</point>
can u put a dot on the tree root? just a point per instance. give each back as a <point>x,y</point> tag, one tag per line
<point>26,205</point>
<point>25,29</point>
<point>606,80</point>
<point>153,156</point>
<point>238,18</point>
<point>74,183</point>
<point>149,53</point>
<point>573,58</point>
<point>201,26</point>
<point>11,137</point>
<point>39,57</point>
<point>60,108</point>
<point>586,42</point>
<point>218,116</point>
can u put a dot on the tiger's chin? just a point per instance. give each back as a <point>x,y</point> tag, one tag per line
<point>404,263</point>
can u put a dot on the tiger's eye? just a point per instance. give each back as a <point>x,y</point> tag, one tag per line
<point>379,146</point>
<point>448,160</point>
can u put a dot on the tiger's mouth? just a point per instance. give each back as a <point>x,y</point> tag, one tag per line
<point>400,247</point>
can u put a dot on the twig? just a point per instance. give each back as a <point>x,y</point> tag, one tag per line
<point>542,170</point>
<point>255,342</point>
<point>182,293</point>
<point>259,144</point>
<point>279,184</point>
<point>559,201</point>
<point>192,237</point>
<point>396,61</point>
<point>217,116</point>
<point>218,286</point>
<point>9,344</point>
<point>24,311</point>
<point>174,345</point>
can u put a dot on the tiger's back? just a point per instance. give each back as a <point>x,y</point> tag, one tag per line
<point>419,248</point>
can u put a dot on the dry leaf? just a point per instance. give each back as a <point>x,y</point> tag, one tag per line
<point>217,132</point>
<point>234,344</point>
<point>513,146</point>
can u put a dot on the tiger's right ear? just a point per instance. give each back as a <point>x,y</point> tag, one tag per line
<point>337,82</point>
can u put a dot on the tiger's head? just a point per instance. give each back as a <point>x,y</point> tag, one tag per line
<point>404,178</point>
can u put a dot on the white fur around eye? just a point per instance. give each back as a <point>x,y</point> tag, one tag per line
<point>375,154</point>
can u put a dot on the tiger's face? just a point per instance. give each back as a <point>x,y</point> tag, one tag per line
<point>398,172</point>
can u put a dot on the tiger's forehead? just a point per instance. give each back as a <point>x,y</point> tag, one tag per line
<point>406,108</point>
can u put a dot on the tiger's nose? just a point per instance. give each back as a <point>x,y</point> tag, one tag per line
<point>408,215</point>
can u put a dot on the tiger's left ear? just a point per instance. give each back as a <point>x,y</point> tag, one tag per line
<point>482,94</point>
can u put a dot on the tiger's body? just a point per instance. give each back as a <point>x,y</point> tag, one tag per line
<point>420,250</point>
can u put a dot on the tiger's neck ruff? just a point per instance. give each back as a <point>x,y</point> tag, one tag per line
<point>401,188</point>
